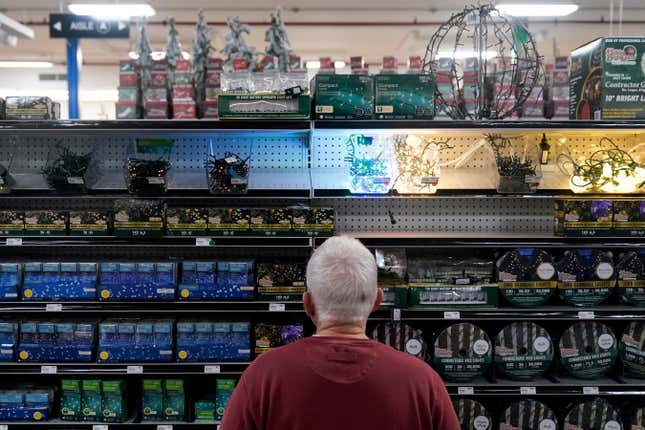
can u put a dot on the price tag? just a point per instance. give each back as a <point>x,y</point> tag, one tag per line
<point>202,241</point>
<point>592,391</point>
<point>164,426</point>
<point>53,307</point>
<point>586,315</point>
<point>396,314</point>
<point>48,370</point>
<point>14,241</point>
<point>429,180</point>
<point>4,426</point>
<point>100,427</point>
<point>75,180</point>
<point>276,307</point>
<point>213,368</point>
<point>452,315</point>
<point>134,369</point>
<point>156,180</point>
<point>527,391</point>
<point>465,391</point>
<point>532,180</point>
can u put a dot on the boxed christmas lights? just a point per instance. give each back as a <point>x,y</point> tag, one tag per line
<point>10,280</point>
<point>47,342</point>
<point>124,341</point>
<point>344,96</point>
<point>281,281</point>
<point>152,398</point>
<point>113,404</point>
<point>312,221</point>
<point>12,223</point>
<point>269,336</point>
<point>526,276</point>
<point>205,410</point>
<point>59,281</point>
<point>583,217</point>
<point>223,392</point>
<point>45,223</point>
<point>213,341</point>
<point>29,108</point>
<point>631,277</point>
<point>586,277</point>
<point>138,218</point>
<point>8,340</point>
<point>217,280</point>
<point>409,96</point>
<point>629,218</point>
<point>392,269</point>
<point>137,281</point>
<point>71,404</point>
<point>186,221</point>
<point>606,79</point>
<point>88,223</point>
<point>228,222</point>
<point>25,403</point>
<point>270,222</point>
<point>93,400</point>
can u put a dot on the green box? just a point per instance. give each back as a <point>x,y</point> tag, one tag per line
<point>607,79</point>
<point>344,96</point>
<point>12,223</point>
<point>205,410</point>
<point>409,96</point>
<point>583,217</point>
<point>45,223</point>
<point>281,282</point>
<point>451,295</point>
<point>174,400</point>
<point>394,295</point>
<point>70,400</point>
<point>270,222</point>
<point>223,392</point>
<point>88,223</point>
<point>152,400</point>
<point>187,221</point>
<point>91,400</point>
<point>228,222</point>
<point>315,222</point>
<point>629,218</point>
<point>138,218</point>
<point>114,407</point>
<point>250,106</point>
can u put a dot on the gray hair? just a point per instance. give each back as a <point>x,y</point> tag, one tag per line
<point>341,277</point>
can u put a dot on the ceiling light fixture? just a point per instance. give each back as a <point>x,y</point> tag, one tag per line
<point>112,10</point>
<point>339,64</point>
<point>26,65</point>
<point>312,64</point>
<point>533,9</point>
<point>158,55</point>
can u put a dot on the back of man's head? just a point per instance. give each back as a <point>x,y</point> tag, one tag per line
<point>341,278</point>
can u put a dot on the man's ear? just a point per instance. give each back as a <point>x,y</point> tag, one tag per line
<point>308,303</point>
<point>379,299</point>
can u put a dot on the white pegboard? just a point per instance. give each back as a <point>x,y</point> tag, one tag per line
<point>443,215</point>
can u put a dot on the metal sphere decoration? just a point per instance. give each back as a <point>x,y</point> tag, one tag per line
<point>486,64</point>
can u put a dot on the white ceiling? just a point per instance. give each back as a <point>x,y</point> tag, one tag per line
<point>342,27</point>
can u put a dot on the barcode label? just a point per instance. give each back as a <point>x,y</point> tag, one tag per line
<point>586,315</point>
<point>214,368</point>
<point>276,307</point>
<point>134,369</point>
<point>14,241</point>
<point>164,426</point>
<point>465,391</point>
<point>452,315</point>
<point>48,370</point>
<point>592,391</point>
<point>53,307</point>
<point>527,391</point>
<point>75,180</point>
<point>156,180</point>
<point>396,314</point>
<point>202,241</point>
<point>100,427</point>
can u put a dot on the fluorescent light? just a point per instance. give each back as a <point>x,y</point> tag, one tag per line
<point>312,64</point>
<point>463,54</point>
<point>26,65</point>
<point>539,9</point>
<point>339,64</point>
<point>158,55</point>
<point>112,10</point>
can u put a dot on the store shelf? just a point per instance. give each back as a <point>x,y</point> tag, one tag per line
<point>120,369</point>
<point>478,125</point>
<point>144,124</point>
<point>166,425</point>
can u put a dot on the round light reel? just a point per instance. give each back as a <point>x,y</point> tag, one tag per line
<point>528,414</point>
<point>523,350</point>
<point>596,414</point>
<point>462,352</point>
<point>588,349</point>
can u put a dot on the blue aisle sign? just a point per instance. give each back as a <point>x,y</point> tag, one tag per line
<point>79,27</point>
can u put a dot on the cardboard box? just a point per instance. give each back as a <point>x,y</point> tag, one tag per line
<point>209,109</point>
<point>159,79</point>
<point>607,80</point>
<point>128,80</point>
<point>128,94</point>
<point>186,221</point>
<point>88,223</point>
<point>251,106</point>
<point>127,110</point>
<point>583,217</point>
<point>182,66</point>
<point>12,223</point>
<point>183,93</point>
<point>45,223</point>
<point>409,96</point>
<point>156,110</point>
<point>344,97</point>
<point>152,400</point>
<point>156,95</point>
<point>213,78</point>
<point>127,66</point>
<point>629,218</point>
<point>184,110</point>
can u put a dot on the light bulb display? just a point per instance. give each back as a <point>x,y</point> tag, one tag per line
<point>371,169</point>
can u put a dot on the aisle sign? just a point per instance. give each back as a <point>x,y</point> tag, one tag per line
<point>66,25</point>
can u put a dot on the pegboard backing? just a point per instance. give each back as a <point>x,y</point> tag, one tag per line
<point>458,215</point>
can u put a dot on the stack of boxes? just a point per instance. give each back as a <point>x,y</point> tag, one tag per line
<point>183,96</point>
<point>357,65</point>
<point>214,71</point>
<point>122,341</point>
<point>93,400</point>
<point>156,97</point>
<point>559,74</point>
<point>326,65</point>
<point>415,64</point>
<point>128,105</point>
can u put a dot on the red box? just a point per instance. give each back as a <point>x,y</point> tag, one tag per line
<point>295,63</point>
<point>184,110</point>
<point>442,78</point>
<point>155,110</point>
<point>128,80</point>
<point>158,79</point>
<point>360,72</point>
<point>240,64</point>
<point>209,109</point>
<point>213,78</point>
<point>356,63</point>
<point>156,95</point>
<point>389,63</point>
<point>183,93</point>
<point>561,77</point>
<point>182,66</point>
<point>562,63</point>
<point>415,63</point>
<point>159,65</point>
<point>215,63</point>
<point>212,93</point>
<point>326,63</point>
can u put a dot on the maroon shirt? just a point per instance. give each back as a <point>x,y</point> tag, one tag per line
<point>324,383</point>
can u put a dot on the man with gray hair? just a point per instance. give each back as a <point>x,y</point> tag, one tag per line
<point>339,379</point>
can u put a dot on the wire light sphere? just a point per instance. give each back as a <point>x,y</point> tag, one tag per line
<point>486,64</point>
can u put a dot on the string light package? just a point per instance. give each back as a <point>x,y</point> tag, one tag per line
<point>228,175</point>
<point>518,173</point>
<point>147,176</point>
<point>417,160</point>
<point>370,164</point>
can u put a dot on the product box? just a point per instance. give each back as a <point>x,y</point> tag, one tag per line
<point>137,281</point>
<point>631,277</point>
<point>127,66</point>
<point>409,96</point>
<point>183,79</point>
<point>223,392</point>
<point>392,269</point>
<point>113,403</point>
<point>152,400</point>
<point>184,110</point>
<point>217,280</point>
<point>158,79</point>
<point>70,400</point>
<point>129,80</point>
<point>583,217</point>
<point>45,223</point>
<point>128,95</point>
<point>206,341</point>
<point>607,80</point>
<point>182,93</point>
<point>48,342</point>
<point>228,222</point>
<point>28,108</point>
<point>252,106</point>
<point>269,336</point>
<point>629,218</point>
<point>344,96</point>
<point>88,223</point>
<point>9,280</point>
<point>155,110</point>
<point>312,222</point>
<point>586,277</point>
<point>156,95</point>
<point>8,340</point>
<point>59,281</point>
<point>91,400</point>
<point>526,277</point>
<point>12,223</point>
<point>205,410</point>
<point>138,218</point>
<point>133,341</point>
<point>187,221</point>
<point>127,110</point>
<point>174,400</point>
<point>281,282</point>
<point>209,107</point>
<point>183,66</point>
<point>25,404</point>
<point>270,222</point>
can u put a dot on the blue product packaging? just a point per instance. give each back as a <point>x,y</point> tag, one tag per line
<point>55,342</point>
<point>137,281</point>
<point>9,281</point>
<point>208,341</point>
<point>198,281</point>
<point>135,341</point>
<point>19,405</point>
<point>8,340</point>
<point>235,280</point>
<point>59,281</point>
